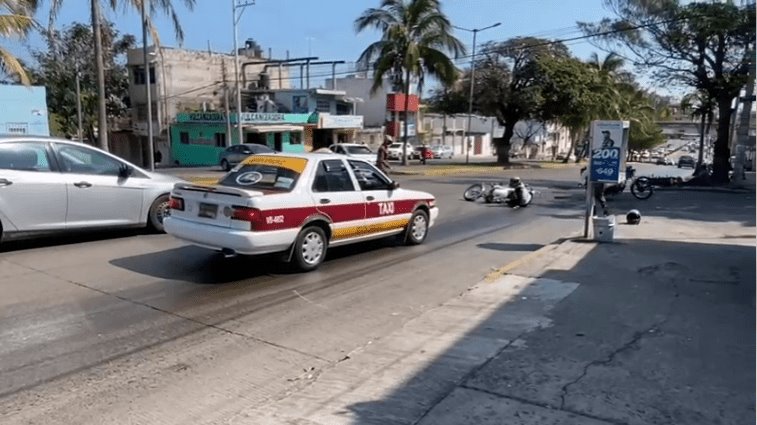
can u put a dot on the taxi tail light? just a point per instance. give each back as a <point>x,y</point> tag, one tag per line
<point>251,215</point>
<point>175,203</point>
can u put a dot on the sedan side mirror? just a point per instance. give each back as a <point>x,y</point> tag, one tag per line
<point>124,171</point>
<point>394,185</point>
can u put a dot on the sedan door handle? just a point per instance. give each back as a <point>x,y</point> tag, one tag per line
<point>5,182</point>
<point>325,201</point>
<point>370,198</point>
<point>83,184</point>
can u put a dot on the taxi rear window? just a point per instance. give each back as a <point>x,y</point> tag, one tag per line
<point>261,172</point>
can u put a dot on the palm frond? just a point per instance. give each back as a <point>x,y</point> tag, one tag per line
<point>10,65</point>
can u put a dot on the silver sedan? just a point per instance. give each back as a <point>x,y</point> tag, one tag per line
<point>51,185</point>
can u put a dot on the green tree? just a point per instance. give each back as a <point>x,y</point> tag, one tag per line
<point>509,85</point>
<point>574,95</point>
<point>706,46</point>
<point>153,7</point>
<point>415,43</point>
<point>71,49</point>
<point>16,20</point>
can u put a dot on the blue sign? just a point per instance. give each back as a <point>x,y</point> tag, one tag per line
<point>605,165</point>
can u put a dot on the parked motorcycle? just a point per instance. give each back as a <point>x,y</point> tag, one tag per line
<point>638,186</point>
<point>514,194</point>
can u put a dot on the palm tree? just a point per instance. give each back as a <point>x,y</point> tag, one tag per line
<point>164,6</point>
<point>16,20</point>
<point>417,36</point>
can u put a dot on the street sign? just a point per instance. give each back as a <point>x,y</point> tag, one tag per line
<point>609,143</point>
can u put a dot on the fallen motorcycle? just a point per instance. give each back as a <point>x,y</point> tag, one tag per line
<point>514,194</point>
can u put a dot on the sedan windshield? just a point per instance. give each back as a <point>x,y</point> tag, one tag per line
<point>358,150</point>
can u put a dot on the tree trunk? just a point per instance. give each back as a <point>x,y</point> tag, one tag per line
<point>102,118</point>
<point>573,139</point>
<point>722,152</point>
<point>407,114</point>
<point>503,144</point>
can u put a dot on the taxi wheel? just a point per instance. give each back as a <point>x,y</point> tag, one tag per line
<point>417,229</point>
<point>310,248</point>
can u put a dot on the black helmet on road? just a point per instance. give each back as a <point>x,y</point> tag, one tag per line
<point>633,217</point>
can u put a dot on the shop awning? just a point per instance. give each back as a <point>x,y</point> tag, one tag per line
<point>272,128</point>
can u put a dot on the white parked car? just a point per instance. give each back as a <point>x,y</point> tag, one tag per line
<point>395,151</point>
<point>50,185</point>
<point>298,205</point>
<point>442,151</point>
<point>354,150</point>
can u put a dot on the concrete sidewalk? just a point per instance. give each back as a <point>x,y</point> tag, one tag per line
<point>657,327</point>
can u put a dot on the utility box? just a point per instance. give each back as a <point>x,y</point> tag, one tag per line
<point>604,229</point>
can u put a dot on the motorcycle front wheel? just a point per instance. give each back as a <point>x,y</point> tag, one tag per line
<point>642,188</point>
<point>473,192</point>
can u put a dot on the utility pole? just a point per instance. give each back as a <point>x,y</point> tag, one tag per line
<point>102,113</point>
<point>226,103</point>
<point>78,103</point>
<point>148,92</point>
<point>475,31</point>
<point>238,4</point>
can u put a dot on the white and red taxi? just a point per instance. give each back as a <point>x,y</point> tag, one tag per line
<point>298,204</point>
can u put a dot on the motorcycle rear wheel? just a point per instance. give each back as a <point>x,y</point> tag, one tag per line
<point>642,188</point>
<point>473,192</point>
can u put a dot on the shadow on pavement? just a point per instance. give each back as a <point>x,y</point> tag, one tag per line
<point>68,239</point>
<point>509,246</point>
<point>656,332</point>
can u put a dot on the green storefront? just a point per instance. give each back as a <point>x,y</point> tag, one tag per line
<point>197,138</point>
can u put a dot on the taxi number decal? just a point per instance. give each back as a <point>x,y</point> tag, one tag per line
<point>275,219</point>
<point>386,208</point>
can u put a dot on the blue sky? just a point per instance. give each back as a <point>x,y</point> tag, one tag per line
<point>325,26</point>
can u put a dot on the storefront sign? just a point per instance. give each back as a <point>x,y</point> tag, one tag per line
<point>608,151</point>
<point>246,118</point>
<point>340,121</point>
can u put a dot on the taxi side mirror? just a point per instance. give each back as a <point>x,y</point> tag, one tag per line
<point>394,185</point>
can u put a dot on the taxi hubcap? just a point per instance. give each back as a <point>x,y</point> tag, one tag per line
<point>419,227</point>
<point>312,248</point>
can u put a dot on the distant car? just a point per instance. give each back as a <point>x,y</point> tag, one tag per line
<point>354,150</point>
<point>442,151</point>
<point>233,155</point>
<point>298,205</point>
<point>664,161</point>
<point>422,150</point>
<point>50,185</point>
<point>686,161</point>
<point>395,151</point>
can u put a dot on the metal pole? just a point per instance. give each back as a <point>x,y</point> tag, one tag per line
<point>307,74</point>
<point>78,103</point>
<point>236,72</point>
<point>333,76</point>
<point>470,97</point>
<point>148,90</point>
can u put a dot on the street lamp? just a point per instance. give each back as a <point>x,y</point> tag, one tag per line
<point>238,4</point>
<point>475,31</point>
<point>148,89</point>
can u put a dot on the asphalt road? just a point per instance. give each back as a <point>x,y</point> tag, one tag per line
<point>144,327</point>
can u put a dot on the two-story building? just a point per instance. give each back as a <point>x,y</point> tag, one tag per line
<point>183,81</point>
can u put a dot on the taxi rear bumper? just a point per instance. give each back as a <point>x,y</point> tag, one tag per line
<point>230,240</point>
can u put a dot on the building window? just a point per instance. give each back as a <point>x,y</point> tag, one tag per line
<point>138,75</point>
<point>343,109</point>
<point>295,138</point>
<point>184,138</point>
<point>221,140</point>
<point>323,105</point>
<point>142,112</point>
